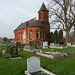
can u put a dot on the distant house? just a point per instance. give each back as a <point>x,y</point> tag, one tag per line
<point>34,30</point>
<point>10,40</point>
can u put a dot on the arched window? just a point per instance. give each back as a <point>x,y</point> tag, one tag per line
<point>30,34</point>
<point>37,34</point>
<point>45,15</point>
<point>40,15</point>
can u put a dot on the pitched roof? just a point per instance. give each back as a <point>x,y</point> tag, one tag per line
<point>21,26</point>
<point>35,23</point>
<point>31,23</point>
<point>43,8</point>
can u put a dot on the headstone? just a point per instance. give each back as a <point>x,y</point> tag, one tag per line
<point>8,49</point>
<point>45,44</point>
<point>52,44</point>
<point>40,43</point>
<point>27,47</point>
<point>34,43</point>
<point>33,64</point>
<point>13,52</point>
<point>18,44</point>
<point>68,44</point>
<point>37,46</point>
<point>3,52</point>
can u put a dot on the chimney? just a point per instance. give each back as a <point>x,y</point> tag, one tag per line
<point>26,23</point>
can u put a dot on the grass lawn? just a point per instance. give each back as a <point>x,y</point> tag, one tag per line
<point>64,66</point>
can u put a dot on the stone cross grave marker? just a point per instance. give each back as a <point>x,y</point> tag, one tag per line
<point>45,44</point>
<point>33,64</point>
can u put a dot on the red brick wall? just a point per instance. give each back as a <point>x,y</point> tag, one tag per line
<point>43,18</point>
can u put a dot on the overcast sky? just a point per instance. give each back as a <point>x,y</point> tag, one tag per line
<point>13,12</point>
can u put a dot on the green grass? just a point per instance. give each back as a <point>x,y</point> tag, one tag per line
<point>65,66</point>
<point>69,49</point>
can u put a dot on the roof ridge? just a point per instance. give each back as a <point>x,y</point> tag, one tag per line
<point>30,20</point>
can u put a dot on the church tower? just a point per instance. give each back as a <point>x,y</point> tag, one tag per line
<point>43,13</point>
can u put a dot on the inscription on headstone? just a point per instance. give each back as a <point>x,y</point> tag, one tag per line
<point>33,64</point>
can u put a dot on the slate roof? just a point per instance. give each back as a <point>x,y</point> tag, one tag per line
<point>32,23</point>
<point>21,26</point>
<point>43,8</point>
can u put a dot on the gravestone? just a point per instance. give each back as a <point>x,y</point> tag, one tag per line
<point>52,44</point>
<point>8,49</point>
<point>27,47</point>
<point>18,44</point>
<point>3,52</point>
<point>37,46</point>
<point>33,64</point>
<point>34,43</point>
<point>40,43</point>
<point>68,44</point>
<point>45,44</point>
<point>13,52</point>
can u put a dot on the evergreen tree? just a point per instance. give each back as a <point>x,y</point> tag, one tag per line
<point>60,35</point>
<point>56,36</point>
<point>52,37</point>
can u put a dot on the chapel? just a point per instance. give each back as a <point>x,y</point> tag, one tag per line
<point>34,30</point>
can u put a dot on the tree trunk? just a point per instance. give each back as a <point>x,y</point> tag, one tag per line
<point>67,36</point>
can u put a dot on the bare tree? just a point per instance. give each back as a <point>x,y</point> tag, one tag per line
<point>62,13</point>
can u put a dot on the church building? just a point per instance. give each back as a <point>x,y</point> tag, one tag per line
<point>34,30</point>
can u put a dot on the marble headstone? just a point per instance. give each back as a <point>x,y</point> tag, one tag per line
<point>33,64</point>
<point>27,47</point>
<point>45,44</point>
<point>52,44</point>
<point>68,44</point>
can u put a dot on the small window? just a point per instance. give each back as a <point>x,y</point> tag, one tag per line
<point>37,34</point>
<point>40,15</point>
<point>45,15</point>
<point>30,34</point>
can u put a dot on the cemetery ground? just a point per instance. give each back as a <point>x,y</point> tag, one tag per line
<point>65,66</point>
